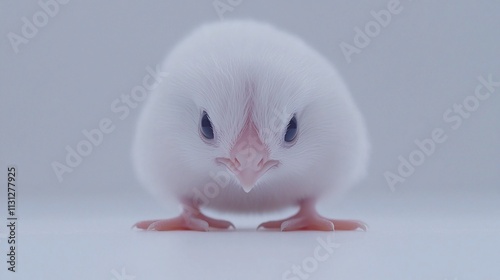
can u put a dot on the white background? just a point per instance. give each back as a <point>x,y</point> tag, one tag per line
<point>442,222</point>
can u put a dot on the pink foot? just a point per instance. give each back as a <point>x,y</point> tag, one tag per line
<point>187,220</point>
<point>308,219</point>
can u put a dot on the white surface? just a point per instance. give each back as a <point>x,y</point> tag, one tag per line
<point>446,239</point>
<point>441,223</point>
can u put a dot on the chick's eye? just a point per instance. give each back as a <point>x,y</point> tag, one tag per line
<point>206,127</point>
<point>291,130</point>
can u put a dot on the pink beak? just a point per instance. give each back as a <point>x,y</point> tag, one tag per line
<point>249,158</point>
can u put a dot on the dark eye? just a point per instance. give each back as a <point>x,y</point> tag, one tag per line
<point>291,130</point>
<point>206,127</point>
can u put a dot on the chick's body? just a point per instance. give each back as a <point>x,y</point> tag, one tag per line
<point>250,80</point>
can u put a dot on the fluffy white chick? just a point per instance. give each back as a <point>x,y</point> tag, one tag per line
<point>249,119</point>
